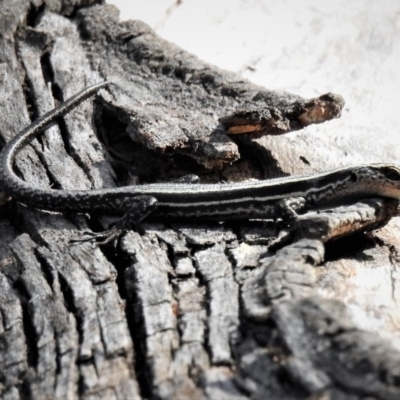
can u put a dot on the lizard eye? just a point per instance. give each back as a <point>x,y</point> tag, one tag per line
<point>391,173</point>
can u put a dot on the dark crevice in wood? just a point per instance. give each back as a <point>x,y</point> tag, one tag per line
<point>65,137</point>
<point>348,247</point>
<point>52,181</point>
<point>34,13</point>
<point>121,262</point>
<point>30,103</point>
<point>134,161</point>
<point>108,129</point>
<point>58,360</point>
<point>47,70</point>
<point>118,259</point>
<point>194,248</point>
<point>11,211</point>
<point>34,113</point>
<point>86,361</point>
<point>70,305</point>
<point>261,157</point>
<point>55,88</point>
<point>45,267</point>
<point>75,10</point>
<point>31,338</point>
<point>233,91</point>
<point>135,323</point>
<point>24,390</point>
<point>93,223</point>
<point>207,298</point>
<point>169,250</point>
<point>58,95</point>
<point>289,385</point>
<point>264,334</point>
<point>81,380</point>
<point>84,34</point>
<point>2,140</point>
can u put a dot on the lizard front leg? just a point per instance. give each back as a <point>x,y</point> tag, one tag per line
<point>138,209</point>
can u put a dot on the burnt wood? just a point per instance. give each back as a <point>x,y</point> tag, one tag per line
<point>176,310</point>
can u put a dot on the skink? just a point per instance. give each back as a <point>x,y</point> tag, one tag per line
<point>247,200</point>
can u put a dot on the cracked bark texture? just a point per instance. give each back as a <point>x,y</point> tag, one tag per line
<point>176,311</point>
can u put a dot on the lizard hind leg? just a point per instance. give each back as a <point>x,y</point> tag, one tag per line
<point>140,208</point>
<point>287,209</point>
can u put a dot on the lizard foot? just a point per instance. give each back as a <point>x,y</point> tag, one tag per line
<point>139,208</point>
<point>100,238</point>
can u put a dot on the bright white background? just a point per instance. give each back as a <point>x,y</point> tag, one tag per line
<point>307,47</point>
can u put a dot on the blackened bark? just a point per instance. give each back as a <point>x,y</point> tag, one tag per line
<point>174,311</point>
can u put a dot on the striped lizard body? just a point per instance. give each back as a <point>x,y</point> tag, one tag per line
<point>251,199</point>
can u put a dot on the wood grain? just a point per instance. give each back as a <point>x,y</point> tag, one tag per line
<point>175,311</point>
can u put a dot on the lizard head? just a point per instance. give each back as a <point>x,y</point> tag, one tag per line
<point>381,179</point>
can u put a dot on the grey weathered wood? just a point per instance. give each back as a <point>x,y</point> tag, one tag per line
<point>175,310</point>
